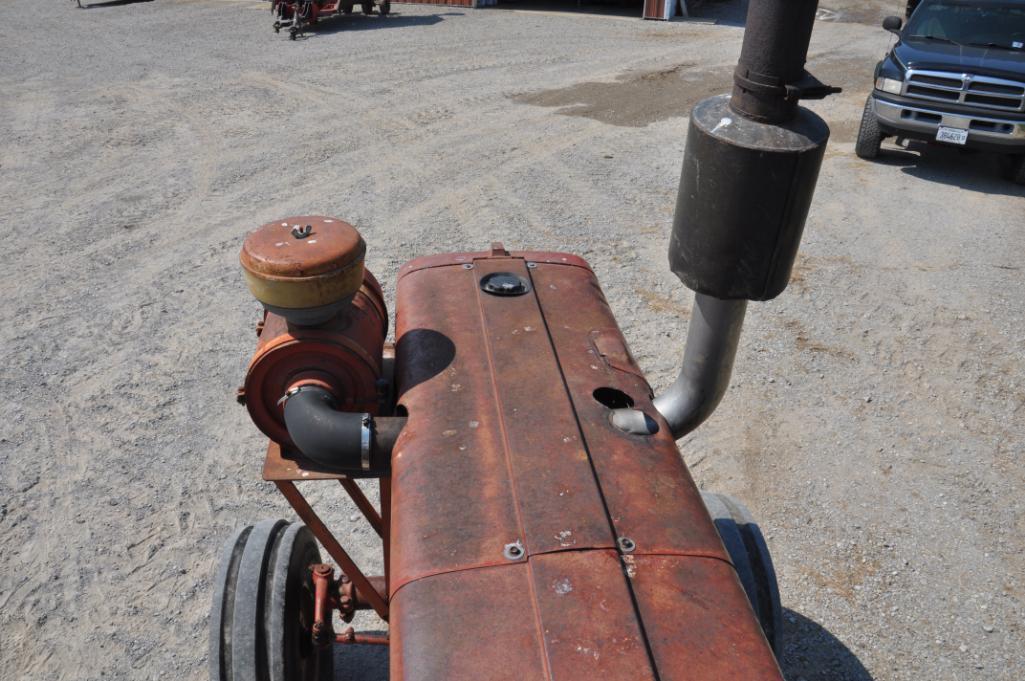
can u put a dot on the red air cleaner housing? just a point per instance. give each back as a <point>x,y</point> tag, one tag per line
<point>342,355</point>
<point>325,321</point>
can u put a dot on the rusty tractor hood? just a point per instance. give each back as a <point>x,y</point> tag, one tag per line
<point>532,539</point>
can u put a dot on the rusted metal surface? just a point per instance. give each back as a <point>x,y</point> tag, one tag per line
<point>343,355</point>
<point>358,600</point>
<point>506,443</point>
<point>349,636</point>
<point>649,492</point>
<point>476,624</point>
<point>324,602</point>
<point>660,9</point>
<point>449,259</point>
<point>339,594</point>
<point>585,611</point>
<point>698,620</point>
<point>384,488</point>
<point>377,600</point>
<point>280,465</point>
<point>493,462</point>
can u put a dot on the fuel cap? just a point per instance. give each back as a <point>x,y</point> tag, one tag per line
<point>504,284</point>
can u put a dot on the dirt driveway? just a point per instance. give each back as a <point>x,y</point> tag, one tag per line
<point>876,424</point>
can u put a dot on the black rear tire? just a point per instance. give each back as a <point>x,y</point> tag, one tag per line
<point>384,8</point>
<point>750,555</point>
<point>368,8</point>
<point>870,136</point>
<point>262,611</point>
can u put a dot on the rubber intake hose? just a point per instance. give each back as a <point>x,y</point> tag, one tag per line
<point>343,442</point>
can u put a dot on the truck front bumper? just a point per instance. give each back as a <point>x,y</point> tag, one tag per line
<point>921,122</point>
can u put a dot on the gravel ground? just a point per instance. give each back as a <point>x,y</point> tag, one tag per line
<point>876,420</point>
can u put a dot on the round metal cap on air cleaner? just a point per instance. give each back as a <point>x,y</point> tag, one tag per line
<point>504,284</point>
<point>305,267</point>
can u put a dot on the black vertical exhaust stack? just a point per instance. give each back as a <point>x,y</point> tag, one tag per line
<point>749,173</point>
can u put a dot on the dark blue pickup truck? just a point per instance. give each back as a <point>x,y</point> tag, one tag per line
<point>955,76</point>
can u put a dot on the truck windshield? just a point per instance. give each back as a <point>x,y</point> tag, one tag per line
<point>980,23</point>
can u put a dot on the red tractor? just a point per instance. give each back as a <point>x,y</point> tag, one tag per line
<point>296,15</point>
<point>537,519</point>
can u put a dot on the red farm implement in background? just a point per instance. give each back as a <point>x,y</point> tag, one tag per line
<point>537,519</point>
<point>297,15</point>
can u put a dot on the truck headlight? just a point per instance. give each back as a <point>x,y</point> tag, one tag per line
<point>889,85</point>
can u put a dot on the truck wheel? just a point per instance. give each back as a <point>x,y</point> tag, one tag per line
<point>262,610</point>
<point>750,555</point>
<point>870,137</point>
<point>1015,169</point>
<point>367,7</point>
<point>384,8</point>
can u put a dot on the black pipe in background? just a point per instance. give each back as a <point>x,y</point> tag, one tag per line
<point>772,58</point>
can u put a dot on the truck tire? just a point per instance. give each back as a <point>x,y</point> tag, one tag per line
<point>870,137</point>
<point>1015,171</point>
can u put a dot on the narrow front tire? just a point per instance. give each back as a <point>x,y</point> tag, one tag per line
<point>262,614</point>
<point>750,556</point>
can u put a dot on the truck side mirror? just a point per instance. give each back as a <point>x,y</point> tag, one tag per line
<point>893,24</point>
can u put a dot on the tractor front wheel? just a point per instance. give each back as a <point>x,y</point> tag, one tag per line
<point>367,7</point>
<point>750,555</point>
<point>262,614</point>
<point>384,8</point>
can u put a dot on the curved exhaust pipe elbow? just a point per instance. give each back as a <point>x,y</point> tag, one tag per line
<point>713,335</point>
<point>343,442</point>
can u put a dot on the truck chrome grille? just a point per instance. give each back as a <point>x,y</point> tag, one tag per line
<point>984,92</point>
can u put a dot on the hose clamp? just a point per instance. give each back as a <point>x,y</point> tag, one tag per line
<point>366,437</point>
<point>291,392</point>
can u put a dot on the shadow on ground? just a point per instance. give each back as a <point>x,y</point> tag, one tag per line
<point>615,8</point>
<point>727,13</point>
<point>967,169</point>
<point>109,3</point>
<point>813,654</point>
<point>373,22</point>
<point>361,663</point>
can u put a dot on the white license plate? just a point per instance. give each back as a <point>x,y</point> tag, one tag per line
<point>952,135</point>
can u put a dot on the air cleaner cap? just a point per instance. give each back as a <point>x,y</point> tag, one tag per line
<point>303,263</point>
